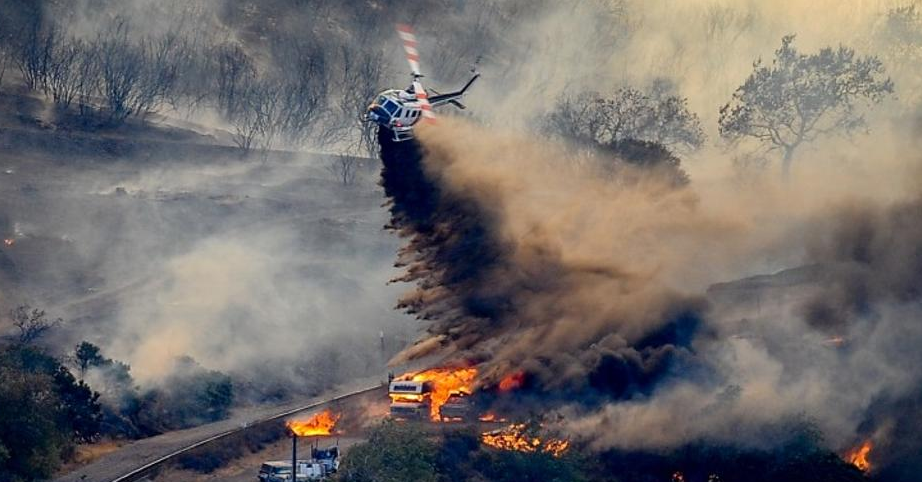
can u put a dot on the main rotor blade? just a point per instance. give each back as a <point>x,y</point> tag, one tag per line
<point>409,46</point>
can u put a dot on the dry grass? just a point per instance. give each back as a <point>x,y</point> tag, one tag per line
<point>87,453</point>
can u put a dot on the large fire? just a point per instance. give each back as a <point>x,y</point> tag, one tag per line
<point>858,456</point>
<point>445,382</point>
<point>512,381</point>
<point>516,437</point>
<point>320,424</point>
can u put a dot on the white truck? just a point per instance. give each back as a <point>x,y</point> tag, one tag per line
<point>410,400</point>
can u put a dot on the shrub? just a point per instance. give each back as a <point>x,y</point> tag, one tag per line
<point>45,411</point>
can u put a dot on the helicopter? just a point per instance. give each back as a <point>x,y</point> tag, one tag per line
<point>399,110</point>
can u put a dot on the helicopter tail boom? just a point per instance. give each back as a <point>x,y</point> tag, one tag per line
<point>452,97</point>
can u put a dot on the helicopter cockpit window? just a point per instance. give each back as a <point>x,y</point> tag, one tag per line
<point>390,107</point>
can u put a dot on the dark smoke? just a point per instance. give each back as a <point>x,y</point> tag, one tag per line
<point>443,231</point>
<point>477,288</point>
<point>636,365</point>
<point>872,255</point>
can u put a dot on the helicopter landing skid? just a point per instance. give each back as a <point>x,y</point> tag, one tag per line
<point>400,136</point>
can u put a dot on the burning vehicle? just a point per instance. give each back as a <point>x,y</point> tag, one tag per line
<point>447,395</point>
<point>442,393</point>
<point>457,408</point>
<point>413,401</point>
<point>409,399</point>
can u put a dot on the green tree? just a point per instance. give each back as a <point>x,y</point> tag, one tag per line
<point>79,404</point>
<point>44,412</point>
<point>394,452</point>
<point>34,444</point>
<point>118,394</point>
<point>802,97</point>
<point>88,355</point>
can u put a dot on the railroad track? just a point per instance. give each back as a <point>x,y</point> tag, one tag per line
<point>157,452</point>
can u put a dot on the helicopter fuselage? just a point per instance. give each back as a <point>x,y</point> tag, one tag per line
<point>396,110</point>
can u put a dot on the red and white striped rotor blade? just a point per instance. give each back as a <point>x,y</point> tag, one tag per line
<point>409,46</point>
<point>423,99</point>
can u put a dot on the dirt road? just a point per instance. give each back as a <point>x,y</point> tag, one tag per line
<point>138,454</point>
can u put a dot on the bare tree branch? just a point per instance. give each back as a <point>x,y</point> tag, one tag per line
<point>344,168</point>
<point>32,323</point>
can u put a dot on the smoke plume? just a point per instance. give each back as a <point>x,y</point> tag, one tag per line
<point>607,294</point>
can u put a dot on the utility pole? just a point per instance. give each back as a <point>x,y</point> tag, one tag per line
<point>294,457</point>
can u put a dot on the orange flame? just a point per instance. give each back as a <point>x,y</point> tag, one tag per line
<point>490,417</point>
<point>514,437</point>
<point>445,382</point>
<point>858,456</point>
<point>320,424</point>
<point>512,381</point>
